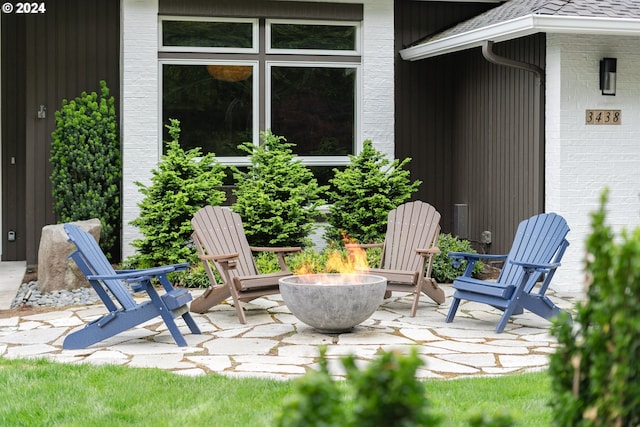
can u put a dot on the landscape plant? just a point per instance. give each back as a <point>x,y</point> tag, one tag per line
<point>183,182</point>
<point>384,393</point>
<point>444,270</point>
<point>85,157</point>
<point>361,195</point>
<point>595,370</point>
<point>278,197</point>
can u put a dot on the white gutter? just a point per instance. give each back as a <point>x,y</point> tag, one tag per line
<point>520,27</point>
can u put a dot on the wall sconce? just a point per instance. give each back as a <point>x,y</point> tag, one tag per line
<point>608,68</point>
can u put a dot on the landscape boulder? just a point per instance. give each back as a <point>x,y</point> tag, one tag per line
<point>55,270</point>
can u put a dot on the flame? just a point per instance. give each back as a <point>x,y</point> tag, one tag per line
<point>355,261</point>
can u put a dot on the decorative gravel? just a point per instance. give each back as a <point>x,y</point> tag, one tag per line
<point>28,294</point>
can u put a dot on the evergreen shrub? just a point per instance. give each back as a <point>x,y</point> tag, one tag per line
<point>278,198</point>
<point>595,371</point>
<point>363,194</point>
<point>384,393</point>
<point>85,155</point>
<point>184,182</point>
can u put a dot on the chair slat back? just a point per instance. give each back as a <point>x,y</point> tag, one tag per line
<point>92,261</point>
<point>220,231</point>
<point>540,239</point>
<point>411,226</point>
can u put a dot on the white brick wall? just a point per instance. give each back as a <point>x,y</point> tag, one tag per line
<point>139,109</point>
<point>140,98</point>
<point>582,159</point>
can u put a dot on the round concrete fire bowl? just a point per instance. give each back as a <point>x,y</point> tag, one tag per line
<point>333,303</point>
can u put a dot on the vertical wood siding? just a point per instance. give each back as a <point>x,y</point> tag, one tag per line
<point>13,137</point>
<point>472,128</point>
<point>67,50</point>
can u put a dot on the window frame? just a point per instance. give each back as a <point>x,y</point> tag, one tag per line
<point>262,62</point>
<point>315,52</point>
<point>255,99</point>
<point>255,35</point>
<point>318,160</point>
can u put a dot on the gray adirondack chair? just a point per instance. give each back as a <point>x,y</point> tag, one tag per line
<point>221,242</point>
<point>408,251</point>
<point>536,252</point>
<point>124,311</point>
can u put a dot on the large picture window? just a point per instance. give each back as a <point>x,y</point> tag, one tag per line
<point>228,79</point>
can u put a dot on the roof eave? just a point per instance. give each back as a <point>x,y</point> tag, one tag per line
<point>520,27</point>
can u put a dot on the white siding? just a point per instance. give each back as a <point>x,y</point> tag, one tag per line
<point>583,159</point>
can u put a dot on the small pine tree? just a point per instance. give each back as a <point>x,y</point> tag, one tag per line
<point>595,370</point>
<point>184,182</point>
<point>364,193</point>
<point>278,197</point>
<point>85,154</point>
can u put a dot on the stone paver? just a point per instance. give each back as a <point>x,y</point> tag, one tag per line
<point>275,344</point>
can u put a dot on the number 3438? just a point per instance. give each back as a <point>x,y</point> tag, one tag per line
<point>603,117</point>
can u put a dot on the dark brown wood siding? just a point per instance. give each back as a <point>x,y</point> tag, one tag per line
<point>67,50</point>
<point>473,128</point>
<point>13,137</point>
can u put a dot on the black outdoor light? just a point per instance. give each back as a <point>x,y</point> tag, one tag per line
<point>608,68</point>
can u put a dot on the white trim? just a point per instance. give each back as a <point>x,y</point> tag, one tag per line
<point>333,52</point>
<point>254,35</point>
<point>520,27</point>
<point>306,160</point>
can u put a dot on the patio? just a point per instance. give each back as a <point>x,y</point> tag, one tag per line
<point>275,344</point>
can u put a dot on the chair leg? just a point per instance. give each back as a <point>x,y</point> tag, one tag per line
<point>214,295</point>
<point>432,290</point>
<point>452,310</point>
<point>236,303</point>
<point>508,312</point>
<point>193,327</point>
<point>416,300</point>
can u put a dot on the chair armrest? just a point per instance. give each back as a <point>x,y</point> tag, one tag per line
<point>472,259</point>
<point>280,252</point>
<point>540,268</point>
<point>428,252</point>
<point>176,267</point>
<point>475,257</point>
<point>138,275</point>
<point>288,249</point>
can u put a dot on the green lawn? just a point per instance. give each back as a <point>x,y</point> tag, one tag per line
<point>40,393</point>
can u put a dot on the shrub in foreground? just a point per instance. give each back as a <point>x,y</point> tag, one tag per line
<point>595,370</point>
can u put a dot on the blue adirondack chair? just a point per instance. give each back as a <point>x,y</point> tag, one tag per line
<point>106,281</point>
<point>538,247</point>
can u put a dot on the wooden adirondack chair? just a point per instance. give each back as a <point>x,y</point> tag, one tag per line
<point>106,281</point>
<point>221,241</point>
<point>538,247</point>
<point>408,251</point>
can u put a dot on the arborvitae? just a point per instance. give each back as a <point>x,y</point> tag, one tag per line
<point>184,182</point>
<point>85,155</point>
<point>278,197</point>
<point>363,194</point>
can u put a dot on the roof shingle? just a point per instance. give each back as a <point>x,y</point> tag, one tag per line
<point>513,9</point>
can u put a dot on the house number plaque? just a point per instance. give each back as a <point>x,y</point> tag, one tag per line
<point>604,117</point>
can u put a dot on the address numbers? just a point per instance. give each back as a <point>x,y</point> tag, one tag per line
<point>604,117</point>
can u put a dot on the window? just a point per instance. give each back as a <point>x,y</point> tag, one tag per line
<point>227,79</point>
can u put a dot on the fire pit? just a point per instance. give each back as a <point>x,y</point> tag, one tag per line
<point>333,302</point>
